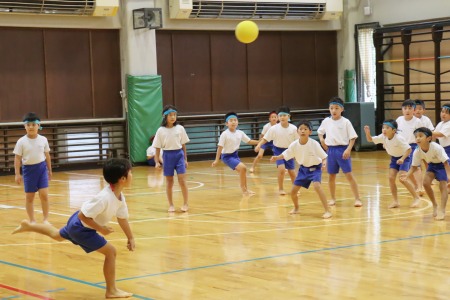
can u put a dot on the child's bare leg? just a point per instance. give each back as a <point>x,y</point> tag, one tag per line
<point>429,176</point>
<point>45,229</point>
<point>184,191</point>
<point>413,181</point>
<point>281,171</point>
<point>43,195</point>
<point>393,186</point>
<point>109,271</point>
<point>169,192</point>
<point>444,196</point>
<point>256,160</point>
<point>294,197</point>
<point>410,187</point>
<point>242,170</point>
<point>354,188</point>
<point>418,176</point>
<point>332,187</point>
<point>292,175</point>
<point>29,200</point>
<point>318,187</point>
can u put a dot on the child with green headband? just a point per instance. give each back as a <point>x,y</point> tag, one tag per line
<point>399,150</point>
<point>32,157</point>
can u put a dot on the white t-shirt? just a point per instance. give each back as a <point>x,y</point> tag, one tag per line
<point>406,128</point>
<point>151,151</point>
<point>436,154</point>
<point>170,138</point>
<point>282,137</point>
<point>427,122</point>
<point>230,141</point>
<point>444,128</point>
<point>337,132</point>
<point>32,150</point>
<point>307,155</point>
<point>397,146</point>
<point>104,206</point>
<point>266,128</point>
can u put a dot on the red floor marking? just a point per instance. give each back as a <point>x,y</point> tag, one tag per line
<point>24,292</point>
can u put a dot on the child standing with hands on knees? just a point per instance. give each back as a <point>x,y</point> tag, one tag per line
<point>399,150</point>
<point>434,154</point>
<point>311,158</point>
<point>337,136</point>
<point>228,146</point>
<point>273,119</point>
<point>282,135</point>
<point>172,138</point>
<point>93,217</point>
<point>32,156</point>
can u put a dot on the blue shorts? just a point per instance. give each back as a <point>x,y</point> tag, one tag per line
<point>405,166</point>
<point>438,170</point>
<point>86,238</point>
<point>413,148</point>
<point>288,164</point>
<point>335,160</point>
<point>447,150</point>
<point>151,161</point>
<point>173,160</point>
<point>35,177</point>
<point>231,159</point>
<point>268,145</point>
<point>306,175</point>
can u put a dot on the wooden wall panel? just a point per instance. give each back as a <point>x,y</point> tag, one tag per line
<point>69,86</point>
<point>192,72</point>
<point>22,75</point>
<point>326,68</point>
<point>264,72</point>
<point>228,73</point>
<point>165,63</point>
<point>106,74</point>
<point>299,68</point>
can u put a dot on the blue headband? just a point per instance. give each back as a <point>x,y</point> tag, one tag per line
<point>230,117</point>
<point>389,124</point>
<point>446,107</point>
<point>337,103</point>
<point>169,111</point>
<point>35,122</point>
<point>282,113</point>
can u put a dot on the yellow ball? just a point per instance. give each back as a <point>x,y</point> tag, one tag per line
<point>246,32</point>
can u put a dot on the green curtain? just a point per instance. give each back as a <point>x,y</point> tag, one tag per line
<point>144,113</point>
<point>350,85</point>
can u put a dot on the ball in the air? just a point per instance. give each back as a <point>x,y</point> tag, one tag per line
<point>246,32</point>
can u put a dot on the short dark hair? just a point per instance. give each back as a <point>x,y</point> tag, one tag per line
<point>284,109</point>
<point>116,168</point>
<point>420,102</point>
<point>164,120</point>
<point>231,113</point>
<point>424,130</point>
<point>409,102</point>
<point>31,117</point>
<point>272,112</point>
<point>392,122</point>
<point>336,99</point>
<point>306,123</point>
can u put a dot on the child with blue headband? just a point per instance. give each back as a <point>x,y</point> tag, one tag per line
<point>434,154</point>
<point>399,150</point>
<point>172,138</point>
<point>32,157</point>
<point>337,136</point>
<point>282,135</point>
<point>228,146</point>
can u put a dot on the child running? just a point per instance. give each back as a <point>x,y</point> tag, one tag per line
<point>273,119</point>
<point>340,136</point>
<point>32,156</point>
<point>94,215</point>
<point>311,158</point>
<point>282,135</point>
<point>228,146</point>
<point>434,154</point>
<point>399,150</point>
<point>172,138</point>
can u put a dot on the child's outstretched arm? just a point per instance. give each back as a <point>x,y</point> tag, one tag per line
<point>17,165</point>
<point>218,153</point>
<point>367,131</point>
<point>123,223</point>
<point>401,160</point>
<point>253,142</point>
<point>275,158</point>
<point>404,176</point>
<point>260,143</point>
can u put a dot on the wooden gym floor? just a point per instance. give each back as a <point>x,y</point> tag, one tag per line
<point>228,246</point>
